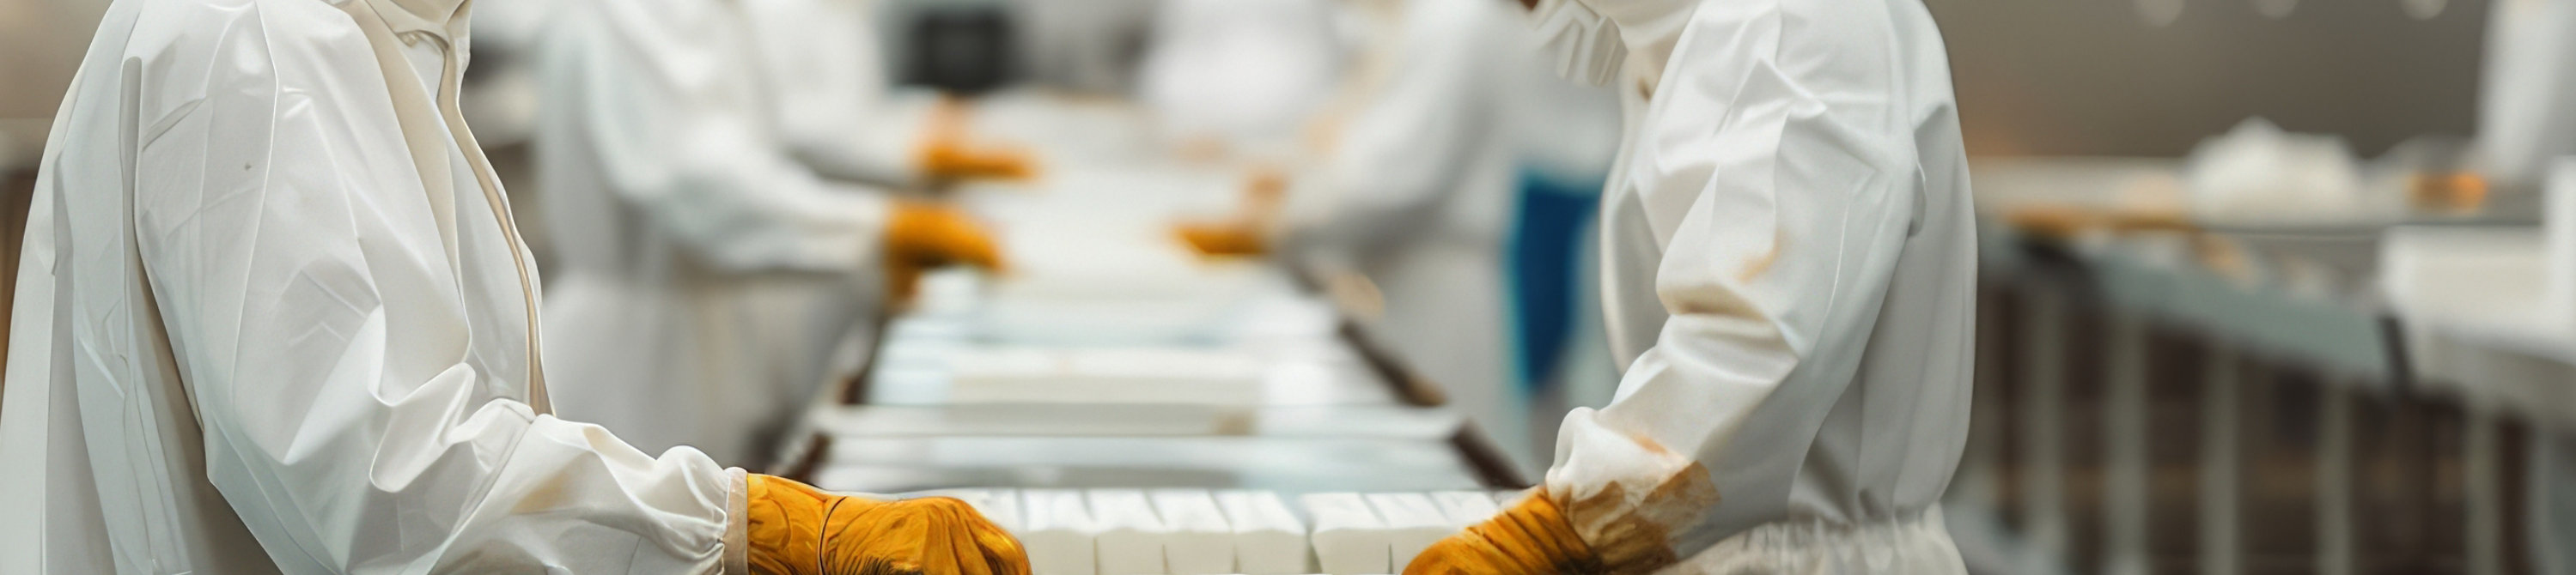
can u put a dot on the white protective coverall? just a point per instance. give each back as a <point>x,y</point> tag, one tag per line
<point>273,316</point>
<point>2524,123</point>
<point>1789,266</point>
<point>706,269</point>
<point>1416,193</point>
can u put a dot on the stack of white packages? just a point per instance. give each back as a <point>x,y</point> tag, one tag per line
<point>1058,532</point>
<point>1197,532</point>
<point>1200,541</point>
<point>1349,538</point>
<point>1268,538</point>
<point>1132,535</point>
<point>1382,532</point>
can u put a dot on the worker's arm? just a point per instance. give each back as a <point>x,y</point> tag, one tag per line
<point>1781,156</point>
<point>681,131</point>
<point>1401,157</point>
<point>828,81</point>
<point>315,312</point>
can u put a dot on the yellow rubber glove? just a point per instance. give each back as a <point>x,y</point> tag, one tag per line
<point>1533,537</point>
<point>948,152</point>
<point>921,236</point>
<point>795,529</point>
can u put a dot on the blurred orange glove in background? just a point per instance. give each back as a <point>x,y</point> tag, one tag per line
<point>1246,233</point>
<point>795,529</point>
<point>1224,238</point>
<point>948,151</point>
<point>921,236</point>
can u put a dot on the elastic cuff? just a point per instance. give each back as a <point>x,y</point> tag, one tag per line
<point>737,545</point>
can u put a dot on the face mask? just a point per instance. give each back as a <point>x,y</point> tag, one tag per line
<point>1584,45</point>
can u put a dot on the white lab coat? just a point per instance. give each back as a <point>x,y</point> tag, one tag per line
<point>273,316</point>
<point>1789,278</point>
<point>1416,194</point>
<point>705,271</point>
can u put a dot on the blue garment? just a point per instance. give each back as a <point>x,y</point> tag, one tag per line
<point>1555,210</point>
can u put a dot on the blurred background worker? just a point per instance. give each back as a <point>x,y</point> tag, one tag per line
<point>708,167</point>
<point>1241,77</point>
<point>276,317</point>
<point>1412,188</point>
<point>1790,275</point>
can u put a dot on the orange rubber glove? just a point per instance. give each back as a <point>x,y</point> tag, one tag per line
<point>795,529</point>
<point>1224,238</point>
<point>1533,537</point>
<point>921,236</point>
<point>947,152</point>
<point>1247,233</point>
<point>956,160</point>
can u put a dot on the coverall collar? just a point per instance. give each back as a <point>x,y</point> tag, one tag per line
<point>1649,28</point>
<point>443,19</point>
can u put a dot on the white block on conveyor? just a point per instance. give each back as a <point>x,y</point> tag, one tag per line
<point>1201,542</point>
<point>1349,538</point>
<point>1413,523</point>
<point>1000,506</point>
<point>1466,508</point>
<point>1105,375</point>
<point>1268,538</point>
<point>1060,532</point>
<point>1132,536</point>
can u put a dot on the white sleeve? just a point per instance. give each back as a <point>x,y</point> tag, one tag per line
<point>828,81</point>
<point>310,304</point>
<point>1398,161</point>
<point>1793,150</point>
<point>673,111</point>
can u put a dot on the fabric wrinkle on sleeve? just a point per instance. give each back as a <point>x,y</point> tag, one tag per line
<point>310,304</point>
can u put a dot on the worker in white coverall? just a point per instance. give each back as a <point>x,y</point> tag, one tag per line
<point>2527,136</point>
<point>273,316</point>
<point>708,168</point>
<point>1788,272</point>
<point>1412,189</point>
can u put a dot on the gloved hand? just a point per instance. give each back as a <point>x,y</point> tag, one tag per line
<point>795,529</point>
<point>1224,238</point>
<point>1246,233</point>
<point>948,152</point>
<point>1533,537</point>
<point>921,236</point>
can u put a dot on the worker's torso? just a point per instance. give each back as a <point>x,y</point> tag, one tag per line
<point>1912,386</point>
<point>144,134</point>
